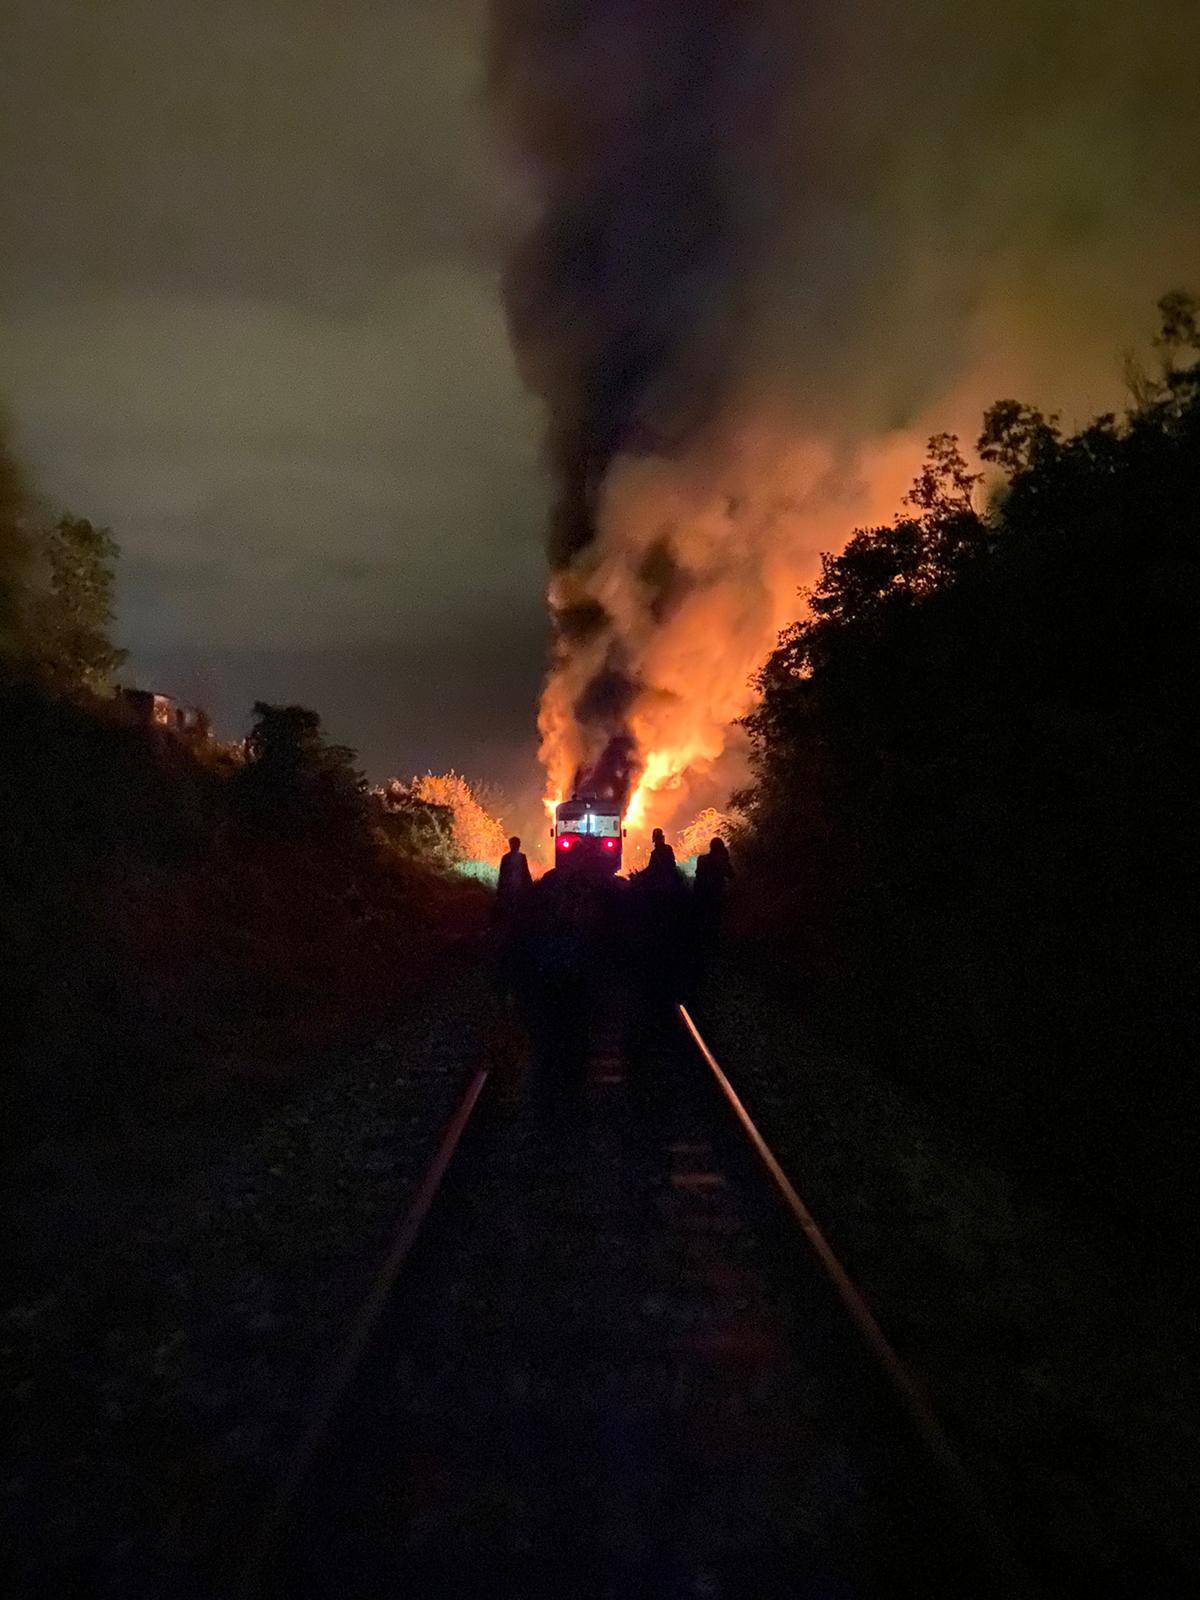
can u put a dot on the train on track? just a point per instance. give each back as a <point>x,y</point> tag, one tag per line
<point>587,832</point>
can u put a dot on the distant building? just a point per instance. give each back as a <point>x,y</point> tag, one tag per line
<point>163,711</point>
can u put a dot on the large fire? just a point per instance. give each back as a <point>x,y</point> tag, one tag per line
<point>740,522</point>
<point>704,229</point>
<point>663,148</point>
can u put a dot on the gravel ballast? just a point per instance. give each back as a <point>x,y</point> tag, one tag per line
<point>1055,1355</point>
<point>179,1288</point>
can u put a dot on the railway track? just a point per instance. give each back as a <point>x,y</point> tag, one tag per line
<point>622,1361</point>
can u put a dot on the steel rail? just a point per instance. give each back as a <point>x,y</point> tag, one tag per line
<point>1017,1583</point>
<point>342,1372</point>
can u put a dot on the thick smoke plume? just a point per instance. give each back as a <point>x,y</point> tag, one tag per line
<point>641,121</point>
<point>774,247</point>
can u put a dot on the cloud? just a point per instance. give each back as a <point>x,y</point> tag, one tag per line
<point>248,317</point>
<point>277,149</point>
<point>965,191</point>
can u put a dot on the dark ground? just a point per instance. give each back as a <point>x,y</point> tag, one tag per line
<point>1058,1350</point>
<point>178,1287</point>
<point>174,1289</point>
<point>611,1371</point>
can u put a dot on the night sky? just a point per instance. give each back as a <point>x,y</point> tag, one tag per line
<point>251,309</point>
<point>250,320</point>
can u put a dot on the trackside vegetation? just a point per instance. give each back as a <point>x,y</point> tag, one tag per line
<point>962,997</point>
<point>972,807</point>
<point>174,905</point>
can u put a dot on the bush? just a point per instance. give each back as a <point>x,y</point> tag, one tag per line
<point>161,910</point>
<point>970,802</point>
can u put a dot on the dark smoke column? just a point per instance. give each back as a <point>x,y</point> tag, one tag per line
<point>643,126</point>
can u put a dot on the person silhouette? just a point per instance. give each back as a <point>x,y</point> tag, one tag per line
<point>660,869</point>
<point>713,874</point>
<point>515,879</point>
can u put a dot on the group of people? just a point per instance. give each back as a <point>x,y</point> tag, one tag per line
<point>660,931</point>
<point>579,944</point>
<point>714,873</point>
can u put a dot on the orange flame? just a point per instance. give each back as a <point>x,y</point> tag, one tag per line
<point>741,522</point>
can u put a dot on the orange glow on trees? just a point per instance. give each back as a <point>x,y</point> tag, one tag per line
<point>477,833</point>
<point>708,825</point>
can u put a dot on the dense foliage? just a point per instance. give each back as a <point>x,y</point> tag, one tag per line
<point>68,609</point>
<point>477,834</point>
<point>972,797</point>
<point>166,908</point>
<point>169,904</point>
<point>294,784</point>
<point>56,592</point>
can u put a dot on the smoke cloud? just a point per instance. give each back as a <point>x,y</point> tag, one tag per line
<point>772,248</point>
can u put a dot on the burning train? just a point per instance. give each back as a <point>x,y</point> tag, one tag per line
<point>589,827</point>
<point>588,833</point>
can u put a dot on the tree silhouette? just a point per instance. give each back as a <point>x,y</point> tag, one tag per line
<point>419,830</point>
<point>294,783</point>
<point>969,762</point>
<point>69,609</point>
<point>478,835</point>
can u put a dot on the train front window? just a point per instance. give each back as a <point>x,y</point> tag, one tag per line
<point>595,824</point>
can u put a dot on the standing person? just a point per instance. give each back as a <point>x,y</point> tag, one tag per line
<point>514,891</point>
<point>714,874</point>
<point>661,870</point>
<point>515,880</point>
<point>658,906</point>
